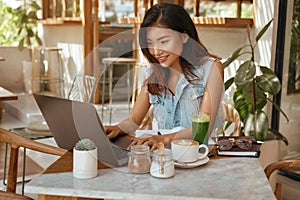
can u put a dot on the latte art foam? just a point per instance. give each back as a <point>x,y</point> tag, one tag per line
<point>185,142</point>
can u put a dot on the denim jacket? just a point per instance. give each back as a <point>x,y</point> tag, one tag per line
<point>172,111</point>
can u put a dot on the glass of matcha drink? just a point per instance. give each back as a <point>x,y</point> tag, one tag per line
<point>200,124</point>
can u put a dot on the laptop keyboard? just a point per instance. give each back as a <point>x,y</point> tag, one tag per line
<point>119,152</point>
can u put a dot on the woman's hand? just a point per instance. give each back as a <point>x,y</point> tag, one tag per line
<point>152,141</point>
<point>113,131</point>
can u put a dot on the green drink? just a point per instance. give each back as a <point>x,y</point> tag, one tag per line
<point>200,124</point>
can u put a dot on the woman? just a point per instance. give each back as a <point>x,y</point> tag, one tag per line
<point>183,78</point>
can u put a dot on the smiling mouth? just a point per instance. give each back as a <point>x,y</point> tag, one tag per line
<point>162,59</point>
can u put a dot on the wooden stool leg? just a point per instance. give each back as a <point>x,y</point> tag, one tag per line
<point>12,170</point>
<point>110,78</point>
<point>278,191</point>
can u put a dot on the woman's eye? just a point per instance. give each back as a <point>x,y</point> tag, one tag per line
<point>164,41</point>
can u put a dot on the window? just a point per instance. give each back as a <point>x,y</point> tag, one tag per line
<point>61,10</point>
<point>229,13</point>
<point>232,13</point>
<point>112,10</point>
<point>215,8</point>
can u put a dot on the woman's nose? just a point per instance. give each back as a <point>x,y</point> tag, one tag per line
<point>157,51</point>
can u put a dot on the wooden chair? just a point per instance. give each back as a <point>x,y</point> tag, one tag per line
<point>82,88</point>
<point>16,141</point>
<point>230,114</point>
<point>283,164</point>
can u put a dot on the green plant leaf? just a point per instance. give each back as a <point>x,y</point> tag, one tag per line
<point>38,39</point>
<point>32,15</point>
<point>279,109</point>
<point>263,30</point>
<point>240,104</point>
<point>28,41</point>
<point>229,82</point>
<point>29,32</point>
<point>35,5</point>
<point>233,57</point>
<point>268,81</point>
<point>247,92</point>
<point>260,96</point>
<point>20,31</point>
<point>279,136</point>
<point>21,45</point>
<point>245,73</point>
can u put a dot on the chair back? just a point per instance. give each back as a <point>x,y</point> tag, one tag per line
<point>230,114</point>
<point>82,88</point>
<point>281,164</point>
<point>16,141</point>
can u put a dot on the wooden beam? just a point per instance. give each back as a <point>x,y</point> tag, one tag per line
<point>87,33</point>
<point>45,9</point>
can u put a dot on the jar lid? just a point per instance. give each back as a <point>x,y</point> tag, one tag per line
<point>140,149</point>
<point>163,152</point>
<point>166,154</point>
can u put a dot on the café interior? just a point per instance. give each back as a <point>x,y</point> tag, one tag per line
<point>89,53</point>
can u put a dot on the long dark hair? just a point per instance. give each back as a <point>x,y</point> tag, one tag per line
<point>176,18</point>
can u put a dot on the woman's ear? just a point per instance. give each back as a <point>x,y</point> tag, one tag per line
<point>185,37</point>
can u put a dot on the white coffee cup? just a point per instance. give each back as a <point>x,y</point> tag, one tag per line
<point>188,150</point>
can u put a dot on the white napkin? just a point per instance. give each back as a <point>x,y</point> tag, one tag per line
<point>139,133</point>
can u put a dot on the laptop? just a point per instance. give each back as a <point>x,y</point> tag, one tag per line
<point>69,121</point>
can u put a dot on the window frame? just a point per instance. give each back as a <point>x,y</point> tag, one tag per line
<point>224,22</point>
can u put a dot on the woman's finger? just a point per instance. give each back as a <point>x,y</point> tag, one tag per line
<point>153,147</point>
<point>131,144</point>
<point>160,145</point>
<point>140,141</point>
<point>148,143</point>
<point>113,134</point>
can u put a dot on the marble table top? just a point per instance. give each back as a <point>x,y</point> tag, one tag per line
<point>228,178</point>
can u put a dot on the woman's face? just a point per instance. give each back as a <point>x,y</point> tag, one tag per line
<point>166,46</point>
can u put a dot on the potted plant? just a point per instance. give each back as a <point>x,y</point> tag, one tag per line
<point>22,31</point>
<point>26,15</point>
<point>85,160</point>
<point>254,86</point>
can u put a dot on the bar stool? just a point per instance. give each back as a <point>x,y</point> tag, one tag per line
<point>109,64</point>
<point>47,71</point>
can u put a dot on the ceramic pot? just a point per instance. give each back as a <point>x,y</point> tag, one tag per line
<point>85,163</point>
<point>269,153</point>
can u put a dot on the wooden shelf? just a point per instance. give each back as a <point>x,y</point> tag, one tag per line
<point>61,22</point>
<point>223,22</point>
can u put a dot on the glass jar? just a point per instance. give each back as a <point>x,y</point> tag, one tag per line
<point>139,159</point>
<point>162,165</point>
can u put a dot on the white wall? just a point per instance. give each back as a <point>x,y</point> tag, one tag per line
<point>11,76</point>
<point>70,39</point>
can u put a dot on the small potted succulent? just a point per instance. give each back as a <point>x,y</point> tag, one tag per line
<point>85,160</point>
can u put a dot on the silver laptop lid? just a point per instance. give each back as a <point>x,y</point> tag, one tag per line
<point>69,121</point>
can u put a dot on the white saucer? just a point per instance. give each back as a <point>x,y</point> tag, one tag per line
<point>38,126</point>
<point>40,133</point>
<point>191,164</point>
